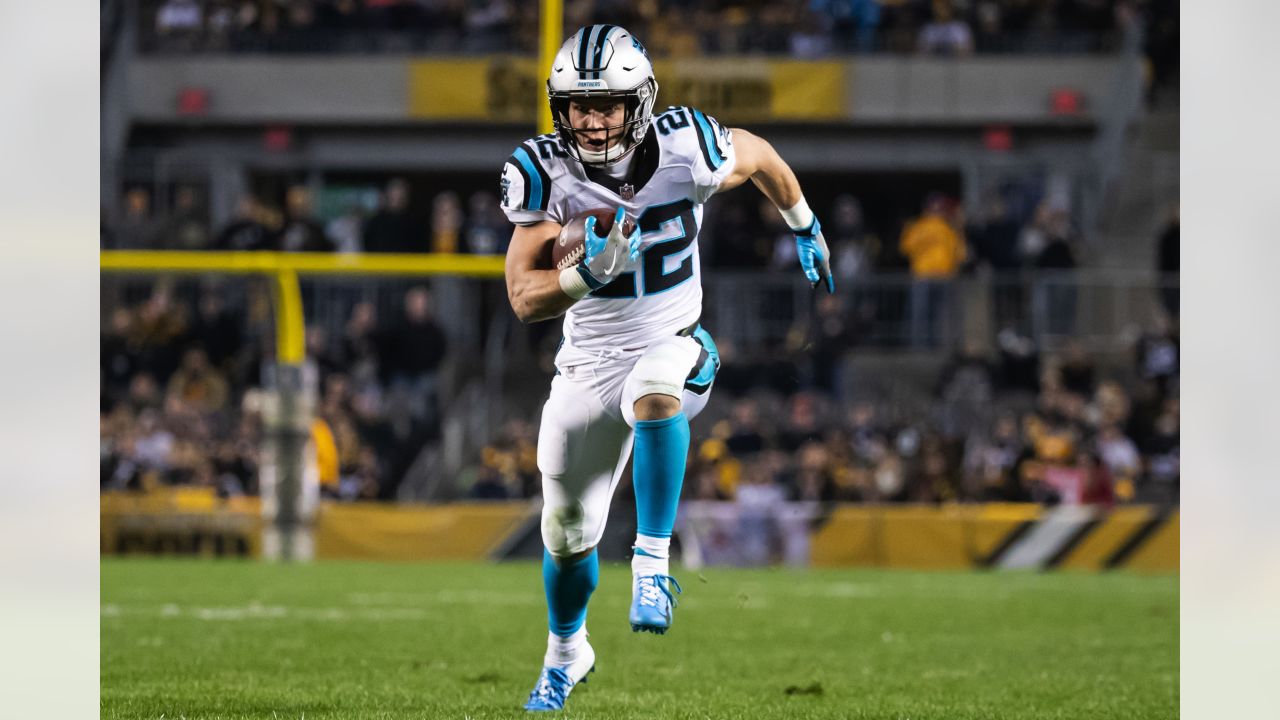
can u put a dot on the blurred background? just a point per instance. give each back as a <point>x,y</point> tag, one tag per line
<point>997,179</point>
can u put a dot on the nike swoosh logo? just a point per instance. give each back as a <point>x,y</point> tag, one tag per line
<point>628,69</point>
<point>559,68</point>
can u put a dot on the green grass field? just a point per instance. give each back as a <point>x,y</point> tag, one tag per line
<point>223,639</point>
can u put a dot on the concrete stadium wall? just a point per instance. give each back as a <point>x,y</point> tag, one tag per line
<point>344,90</point>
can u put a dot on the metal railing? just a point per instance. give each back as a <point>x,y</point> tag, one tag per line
<point>1102,310</point>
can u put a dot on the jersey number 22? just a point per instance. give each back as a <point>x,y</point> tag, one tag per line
<point>667,262</point>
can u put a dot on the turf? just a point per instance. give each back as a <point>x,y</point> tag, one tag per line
<point>233,639</point>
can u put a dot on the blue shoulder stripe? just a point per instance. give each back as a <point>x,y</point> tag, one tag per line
<point>539,188</point>
<point>707,140</point>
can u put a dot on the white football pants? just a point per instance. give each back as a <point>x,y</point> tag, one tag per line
<point>586,432</point>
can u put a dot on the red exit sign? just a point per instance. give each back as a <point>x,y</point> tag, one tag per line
<point>1066,101</point>
<point>193,101</point>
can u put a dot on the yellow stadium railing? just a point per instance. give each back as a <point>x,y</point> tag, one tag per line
<point>283,270</point>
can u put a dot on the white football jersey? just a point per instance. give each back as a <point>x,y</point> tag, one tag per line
<point>682,161</point>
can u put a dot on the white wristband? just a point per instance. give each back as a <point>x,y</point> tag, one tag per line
<point>572,284</point>
<point>798,217</point>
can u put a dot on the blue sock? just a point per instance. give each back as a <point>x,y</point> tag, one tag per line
<point>658,472</point>
<point>569,585</point>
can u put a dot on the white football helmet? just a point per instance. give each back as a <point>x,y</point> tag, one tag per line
<point>603,61</point>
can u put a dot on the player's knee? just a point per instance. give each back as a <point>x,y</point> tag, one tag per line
<point>656,406</point>
<point>572,558</point>
<point>657,381</point>
<point>562,530</point>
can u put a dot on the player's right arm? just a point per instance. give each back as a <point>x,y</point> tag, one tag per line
<point>535,293</point>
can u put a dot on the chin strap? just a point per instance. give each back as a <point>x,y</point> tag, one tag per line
<point>600,157</point>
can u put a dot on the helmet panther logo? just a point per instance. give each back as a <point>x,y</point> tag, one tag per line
<point>636,44</point>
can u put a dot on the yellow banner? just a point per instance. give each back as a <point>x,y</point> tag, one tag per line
<point>509,89</point>
<point>458,531</point>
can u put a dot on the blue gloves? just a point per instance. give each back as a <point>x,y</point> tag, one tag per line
<point>606,257</point>
<point>815,258</point>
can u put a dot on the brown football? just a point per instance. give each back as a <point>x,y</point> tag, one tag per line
<point>567,249</point>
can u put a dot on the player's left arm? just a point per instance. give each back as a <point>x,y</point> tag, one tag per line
<point>757,161</point>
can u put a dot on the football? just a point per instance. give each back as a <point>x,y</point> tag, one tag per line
<point>569,247</point>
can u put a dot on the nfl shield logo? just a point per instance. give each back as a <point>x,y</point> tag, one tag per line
<point>627,191</point>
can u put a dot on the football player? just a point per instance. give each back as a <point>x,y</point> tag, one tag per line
<point>634,366</point>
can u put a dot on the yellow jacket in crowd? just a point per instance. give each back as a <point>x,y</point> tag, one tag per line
<point>933,247</point>
<point>326,452</point>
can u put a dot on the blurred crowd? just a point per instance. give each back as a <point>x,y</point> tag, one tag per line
<point>1017,229</point>
<point>670,28</point>
<point>294,226</point>
<point>1014,425</point>
<point>183,392</point>
<point>182,383</point>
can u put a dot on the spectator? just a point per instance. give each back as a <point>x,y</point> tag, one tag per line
<point>117,356</point>
<point>416,348</point>
<point>217,329</point>
<point>673,34</point>
<point>995,236</point>
<point>808,39</point>
<point>1099,484</point>
<point>198,384</point>
<point>932,244</point>
<point>486,24</point>
<point>989,36</point>
<point>1119,454</point>
<point>301,231</point>
<point>246,231</point>
<point>945,34</point>
<point>347,229</point>
<point>320,351</point>
<point>392,229</point>
<point>1058,252</point>
<point>745,437</point>
<point>188,225</point>
<point>1158,355</point>
<point>991,462</point>
<point>446,222</point>
<point>1058,257</point>
<point>820,343</point>
<point>1164,459</point>
<point>812,479</point>
<point>935,251</point>
<point>852,252</point>
<point>964,389</point>
<point>359,337</point>
<point>154,444</point>
<point>219,25</point>
<point>1077,370</point>
<point>178,24</point>
<point>137,229</point>
<point>486,231</point>
<point>803,422</point>
<point>1036,234</point>
<point>851,23</point>
<point>158,324</point>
